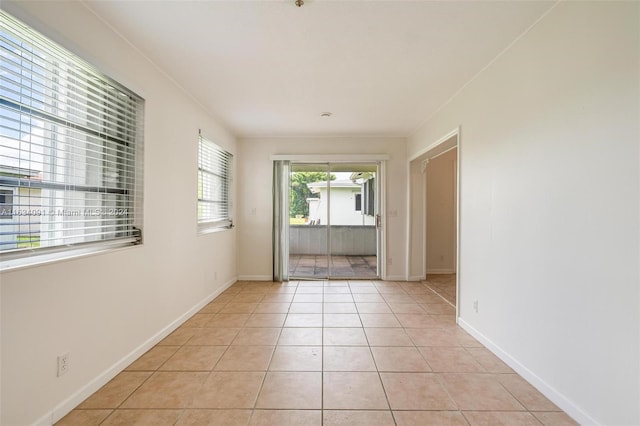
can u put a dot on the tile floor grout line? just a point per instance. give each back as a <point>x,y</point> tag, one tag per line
<point>384,389</point>
<point>375,363</point>
<point>264,378</point>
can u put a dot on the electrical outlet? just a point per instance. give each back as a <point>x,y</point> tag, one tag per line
<point>63,364</point>
<point>215,276</point>
<point>475,306</point>
<point>389,261</point>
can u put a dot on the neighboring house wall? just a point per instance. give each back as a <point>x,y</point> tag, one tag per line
<point>7,218</point>
<point>314,210</point>
<point>21,218</point>
<point>343,207</point>
<point>29,202</point>
<point>441,214</point>
<point>550,194</point>
<point>105,309</point>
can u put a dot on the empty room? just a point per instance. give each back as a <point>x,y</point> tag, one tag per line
<point>319,212</point>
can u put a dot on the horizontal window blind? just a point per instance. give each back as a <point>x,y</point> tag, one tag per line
<point>70,148</point>
<point>214,182</point>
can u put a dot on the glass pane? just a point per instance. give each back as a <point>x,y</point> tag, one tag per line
<point>352,219</point>
<point>308,221</point>
<point>332,224</point>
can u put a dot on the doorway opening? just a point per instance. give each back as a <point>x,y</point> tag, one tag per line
<point>434,231</point>
<point>440,217</point>
<point>334,225</point>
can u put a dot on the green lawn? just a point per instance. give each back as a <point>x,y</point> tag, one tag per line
<point>27,241</point>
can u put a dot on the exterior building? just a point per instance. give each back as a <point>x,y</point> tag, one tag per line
<point>346,203</point>
<point>21,211</point>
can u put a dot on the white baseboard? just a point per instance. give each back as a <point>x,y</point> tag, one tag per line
<point>270,278</point>
<point>568,406</point>
<point>395,278</point>
<point>74,400</point>
<point>415,278</point>
<point>255,278</point>
<point>441,271</point>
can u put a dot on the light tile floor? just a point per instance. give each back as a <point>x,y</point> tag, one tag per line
<point>321,353</point>
<point>444,285</point>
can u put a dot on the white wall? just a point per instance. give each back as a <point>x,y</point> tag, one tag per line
<point>549,206</point>
<point>343,207</point>
<point>255,195</point>
<point>441,214</point>
<point>103,307</point>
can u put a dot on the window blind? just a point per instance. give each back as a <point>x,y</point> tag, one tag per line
<point>214,185</point>
<point>70,148</point>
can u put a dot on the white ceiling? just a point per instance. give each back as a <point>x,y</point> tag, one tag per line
<point>269,68</point>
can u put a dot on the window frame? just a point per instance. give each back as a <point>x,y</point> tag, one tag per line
<point>219,168</point>
<point>358,201</point>
<point>96,115</point>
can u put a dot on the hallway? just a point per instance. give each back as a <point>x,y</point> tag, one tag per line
<point>320,353</point>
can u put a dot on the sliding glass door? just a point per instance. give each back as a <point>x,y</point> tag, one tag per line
<point>333,220</point>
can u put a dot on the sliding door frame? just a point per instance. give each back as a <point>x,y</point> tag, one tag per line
<point>380,160</point>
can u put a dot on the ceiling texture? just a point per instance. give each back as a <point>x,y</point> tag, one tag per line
<point>269,68</point>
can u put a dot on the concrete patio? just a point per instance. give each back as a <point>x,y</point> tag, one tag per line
<point>315,266</point>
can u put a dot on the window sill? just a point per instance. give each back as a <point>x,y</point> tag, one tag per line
<point>209,228</point>
<point>10,265</point>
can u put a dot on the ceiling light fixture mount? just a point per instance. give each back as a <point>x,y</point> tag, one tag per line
<point>299,3</point>
<point>325,114</point>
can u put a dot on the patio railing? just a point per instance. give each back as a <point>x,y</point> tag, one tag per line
<point>346,240</point>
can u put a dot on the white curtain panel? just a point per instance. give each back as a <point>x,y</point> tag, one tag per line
<point>281,169</point>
